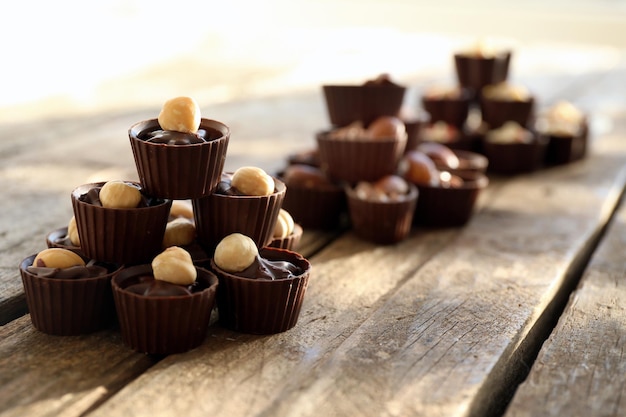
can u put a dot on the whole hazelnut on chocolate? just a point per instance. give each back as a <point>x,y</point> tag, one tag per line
<point>72,232</point>
<point>386,127</point>
<point>57,258</point>
<point>440,154</point>
<point>419,169</point>
<point>284,224</point>
<point>252,181</point>
<point>180,114</point>
<point>119,194</point>
<point>305,176</point>
<point>179,232</point>
<point>174,265</point>
<point>235,252</point>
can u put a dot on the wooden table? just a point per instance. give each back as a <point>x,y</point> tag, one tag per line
<point>519,313</point>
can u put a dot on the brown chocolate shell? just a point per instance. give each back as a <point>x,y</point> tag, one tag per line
<point>120,236</point>
<point>163,324</point>
<point>382,222</point>
<point>179,171</point>
<point>349,103</point>
<point>262,306</point>
<point>68,307</point>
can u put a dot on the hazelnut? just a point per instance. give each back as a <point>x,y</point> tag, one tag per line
<point>235,253</point>
<point>284,224</point>
<point>305,176</point>
<point>57,258</point>
<point>72,232</point>
<point>179,232</point>
<point>418,168</point>
<point>180,114</point>
<point>388,188</point>
<point>119,194</point>
<point>174,265</point>
<point>252,181</point>
<point>440,154</point>
<point>386,127</point>
<point>181,208</point>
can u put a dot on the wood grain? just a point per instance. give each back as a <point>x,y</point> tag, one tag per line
<point>581,370</point>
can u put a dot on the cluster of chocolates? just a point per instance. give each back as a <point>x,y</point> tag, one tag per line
<point>487,113</point>
<point>159,254</point>
<point>369,169</point>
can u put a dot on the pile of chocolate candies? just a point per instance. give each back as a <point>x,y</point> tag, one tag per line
<point>158,254</point>
<point>368,166</point>
<point>487,113</point>
<point>483,123</point>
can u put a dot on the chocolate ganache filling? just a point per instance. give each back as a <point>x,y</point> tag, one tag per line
<point>170,137</point>
<point>90,270</point>
<point>93,197</point>
<point>147,286</point>
<point>270,270</point>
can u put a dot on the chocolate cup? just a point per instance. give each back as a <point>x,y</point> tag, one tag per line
<point>163,324</point>
<point>515,158</point>
<point>56,238</point>
<point>497,112</point>
<point>349,103</point>
<point>469,163</point>
<point>353,160</point>
<point>382,222</point>
<point>217,216</point>
<point>68,307</point>
<point>262,306</point>
<point>566,149</point>
<point>290,242</point>
<point>413,139</point>
<point>179,172</point>
<point>451,111</point>
<point>320,208</point>
<point>448,207</point>
<point>474,72</point>
<point>120,236</point>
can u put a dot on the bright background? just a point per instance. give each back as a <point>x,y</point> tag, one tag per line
<point>69,56</point>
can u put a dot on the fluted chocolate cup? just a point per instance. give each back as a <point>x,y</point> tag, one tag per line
<point>58,238</point>
<point>120,236</point>
<point>218,215</point>
<point>179,172</point>
<point>289,242</point>
<point>260,306</point>
<point>497,112</point>
<point>382,222</point>
<point>322,207</point>
<point>469,163</point>
<point>563,149</point>
<point>515,158</point>
<point>349,103</point>
<point>453,111</point>
<point>475,72</point>
<point>353,160</point>
<point>68,307</point>
<point>165,324</point>
<point>439,206</point>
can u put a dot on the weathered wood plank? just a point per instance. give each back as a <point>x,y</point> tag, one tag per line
<point>61,376</point>
<point>383,333</point>
<point>580,370</point>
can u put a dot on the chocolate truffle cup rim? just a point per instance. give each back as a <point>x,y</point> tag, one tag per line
<point>413,193</point>
<point>279,187</point>
<point>471,181</point>
<point>288,255</point>
<point>60,232</point>
<point>128,273</point>
<point>325,135</point>
<point>109,275</point>
<point>76,194</point>
<point>149,125</point>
